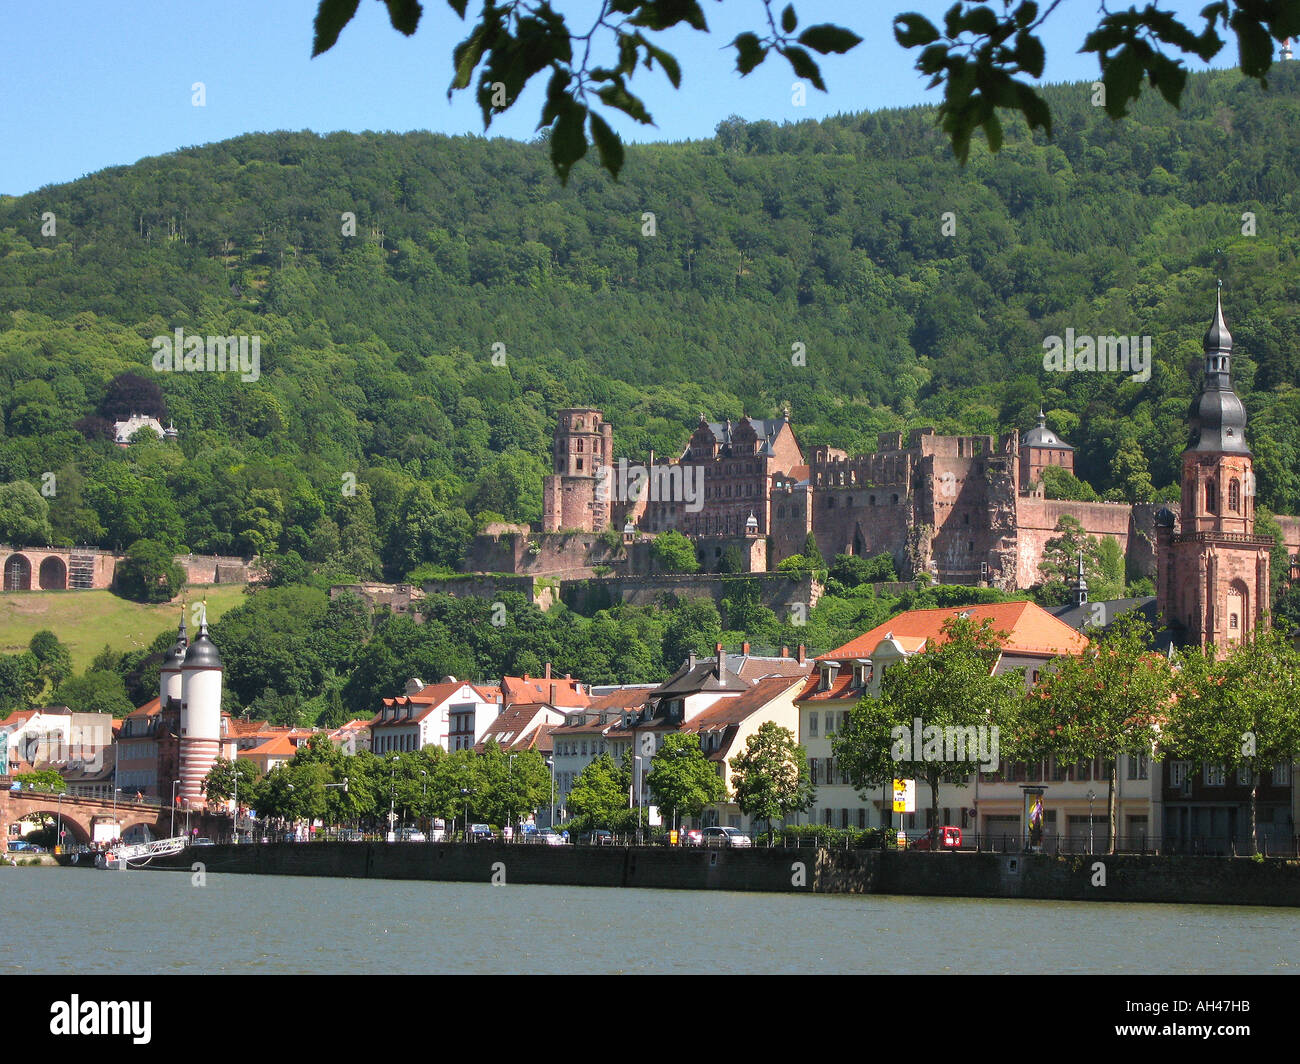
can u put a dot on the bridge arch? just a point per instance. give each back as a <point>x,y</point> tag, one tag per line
<point>18,573</point>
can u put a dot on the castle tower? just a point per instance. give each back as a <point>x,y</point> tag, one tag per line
<point>1213,573</point>
<point>170,685</point>
<point>576,495</point>
<point>1041,447</point>
<point>200,738</point>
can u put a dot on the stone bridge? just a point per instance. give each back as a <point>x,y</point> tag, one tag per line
<point>80,813</point>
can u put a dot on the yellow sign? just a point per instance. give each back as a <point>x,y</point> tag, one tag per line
<point>904,796</point>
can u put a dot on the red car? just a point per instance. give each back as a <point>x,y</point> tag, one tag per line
<point>945,838</point>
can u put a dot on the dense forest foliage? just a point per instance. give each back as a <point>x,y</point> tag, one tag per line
<point>377,349</point>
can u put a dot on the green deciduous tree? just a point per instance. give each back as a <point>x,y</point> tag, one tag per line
<point>682,780</point>
<point>149,573</point>
<point>950,685</point>
<point>770,776</point>
<point>673,553</point>
<point>1239,711</point>
<point>1102,704</point>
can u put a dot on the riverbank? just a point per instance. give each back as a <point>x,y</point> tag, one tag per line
<point>1120,878</point>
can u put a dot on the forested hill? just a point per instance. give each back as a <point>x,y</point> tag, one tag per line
<point>377,349</point>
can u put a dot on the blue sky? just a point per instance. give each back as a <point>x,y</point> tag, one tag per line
<point>87,84</point>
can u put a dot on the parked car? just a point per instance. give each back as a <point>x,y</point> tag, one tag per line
<point>691,837</point>
<point>201,842</point>
<point>351,835</point>
<point>598,837</point>
<point>479,832</point>
<point>724,837</point>
<point>944,838</point>
<point>22,845</point>
<point>548,837</point>
<point>411,835</point>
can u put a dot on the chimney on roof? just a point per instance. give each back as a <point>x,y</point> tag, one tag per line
<point>552,694</point>
<point>744,649</point>
<point>690,661</point>
<point>548,670</point>
<point>721,660</point>
<point>799,658</point>
<point>785,652</point>
<point>568,676</point>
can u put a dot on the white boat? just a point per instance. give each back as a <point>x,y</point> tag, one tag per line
<point>140,854</point>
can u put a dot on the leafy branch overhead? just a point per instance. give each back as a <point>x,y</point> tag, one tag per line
<point>979,53</point>
<point>976,58</point>
<point>515,41</point>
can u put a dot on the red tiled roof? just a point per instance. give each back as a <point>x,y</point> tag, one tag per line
<point>280,746</point>
<point>147,710</point>
<point>1030,630</point>
<point>520,689</point>
<point>430,697</point>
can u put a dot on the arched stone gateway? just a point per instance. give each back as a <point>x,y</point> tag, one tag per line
<point>18,573</point>
<point>53,575</point>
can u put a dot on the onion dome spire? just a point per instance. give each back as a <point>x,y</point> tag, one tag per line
<point>1218,421</point>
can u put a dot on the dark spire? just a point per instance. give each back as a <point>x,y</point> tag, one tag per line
<point>202,653</point>
<point>1218,421</point>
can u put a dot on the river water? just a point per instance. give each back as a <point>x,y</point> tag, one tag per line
<point>67,920</point>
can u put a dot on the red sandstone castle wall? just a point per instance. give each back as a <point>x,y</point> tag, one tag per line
<point>1037,520</point>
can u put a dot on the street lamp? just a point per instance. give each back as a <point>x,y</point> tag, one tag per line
<point>1092,795</point>
<point>58,836</point>
<point>392,799</point>
<point>235,820</point>
<point>464,793</point>
<point>510,771</point>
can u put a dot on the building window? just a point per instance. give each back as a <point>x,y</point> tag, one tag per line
<point>1211,499</point>
<point>1214,775</point>
<point>830,723</point>
<point>1137,767</point>
<point>1234,495</point>
<point>812,724</point>
<point>812,769</point>
<point>862,818</point>
<point>826,816</point>
<point>1232,621</point>
<point>1243,775</point>
<point>1282,774</point>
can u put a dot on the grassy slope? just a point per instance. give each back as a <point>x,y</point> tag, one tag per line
<point>87,620</point>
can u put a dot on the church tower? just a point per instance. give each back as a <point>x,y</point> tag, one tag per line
<point>1213,572</point>
<point>200,738</point>
<point>169,678</point>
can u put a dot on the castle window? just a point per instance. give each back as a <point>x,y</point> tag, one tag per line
<point>1234,495</point>
<point>580,464</point>
<point>1232,621</point>
<point>965,519</point>
<point>1211,500</point>
<point>871,500</point>
<point>894,500</point>
<point>578,425</point>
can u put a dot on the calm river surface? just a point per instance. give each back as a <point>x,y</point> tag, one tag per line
<point>67,920</point>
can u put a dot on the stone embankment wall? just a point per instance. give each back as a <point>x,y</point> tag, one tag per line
<point>1128,877</point>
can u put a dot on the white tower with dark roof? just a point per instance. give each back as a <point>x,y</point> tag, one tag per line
<point>200,738</point>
